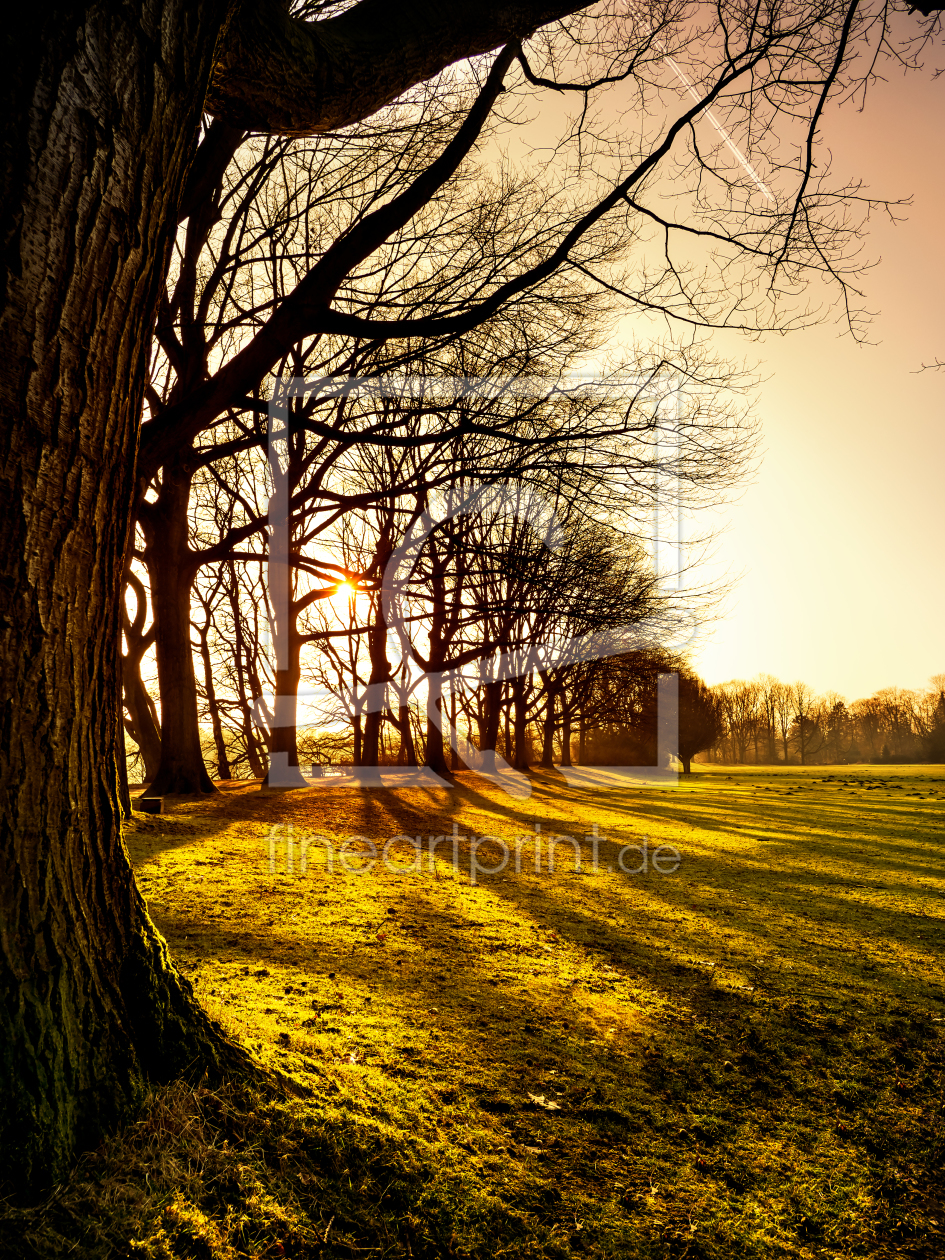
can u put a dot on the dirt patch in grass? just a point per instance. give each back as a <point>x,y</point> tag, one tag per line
<point>741,1056</point>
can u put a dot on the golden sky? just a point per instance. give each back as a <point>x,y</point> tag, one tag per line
<point>840,540</point>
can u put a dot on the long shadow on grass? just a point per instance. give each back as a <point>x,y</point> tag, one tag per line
<point>481,1032</point>
<point>791,885</point>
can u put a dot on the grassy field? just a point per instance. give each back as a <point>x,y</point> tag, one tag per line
<point>741,1057</point>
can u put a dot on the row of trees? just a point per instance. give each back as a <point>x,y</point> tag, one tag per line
<point>507,605</point>
<point>765,721</point>
<point>465,507</point>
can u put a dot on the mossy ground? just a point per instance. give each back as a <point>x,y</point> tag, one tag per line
<point>739,1059</point>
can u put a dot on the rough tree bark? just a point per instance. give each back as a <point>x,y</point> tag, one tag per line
<point>101,105</point>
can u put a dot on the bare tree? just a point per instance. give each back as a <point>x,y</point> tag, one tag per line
<point>807,716</point>
<point>740,705</point>
<point>700,718</point>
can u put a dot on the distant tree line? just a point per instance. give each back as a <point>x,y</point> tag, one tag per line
<point>766,722</point>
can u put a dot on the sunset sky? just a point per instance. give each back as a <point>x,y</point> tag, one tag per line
<point>839,540</point>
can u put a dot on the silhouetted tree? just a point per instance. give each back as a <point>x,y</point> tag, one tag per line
<point>935,738</point>
<point>700,718</point>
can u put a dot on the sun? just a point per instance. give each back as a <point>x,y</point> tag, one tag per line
<point>342,599</point>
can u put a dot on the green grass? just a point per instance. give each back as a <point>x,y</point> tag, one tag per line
<point>742,1058</point>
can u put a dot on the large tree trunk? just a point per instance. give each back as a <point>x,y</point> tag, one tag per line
<point>100,105</point>
<point>435,758</point>
<point>371,750</point>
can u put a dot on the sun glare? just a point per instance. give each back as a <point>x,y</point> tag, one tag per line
<point>342,598</point>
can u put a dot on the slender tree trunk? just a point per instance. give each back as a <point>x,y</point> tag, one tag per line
<point>520,721</point>
<point>548,732</point>
<point>419,738</point>
<point>170,564</point>
<point>143,727</point>
<point>565,732</point>
<point>91,1003</point>
<point>408,754</point>
<point>435,757</point>
<point>456,762</point>
<point>223,763</point>
<point>379,678</point>
<point>284,770</point>
<point>481,715</point>
<point>242,662</point>
<point>124,795</point>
